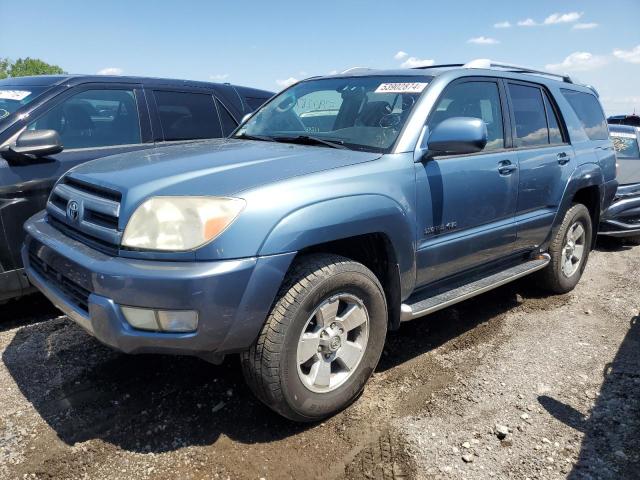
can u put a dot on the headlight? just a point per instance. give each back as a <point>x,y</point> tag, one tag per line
<point>180,223</point>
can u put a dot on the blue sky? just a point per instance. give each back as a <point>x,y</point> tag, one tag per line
<point>268,44</point>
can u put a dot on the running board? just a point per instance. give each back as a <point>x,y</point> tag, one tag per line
<point>443,300</point>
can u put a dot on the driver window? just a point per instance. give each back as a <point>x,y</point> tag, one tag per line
<point>473,99</point>
<point>94,118</point>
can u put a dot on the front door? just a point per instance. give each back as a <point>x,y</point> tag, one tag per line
<point>466,203</point>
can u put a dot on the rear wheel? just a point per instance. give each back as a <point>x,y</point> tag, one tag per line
<point>569,251</point>
<point>321,341</point>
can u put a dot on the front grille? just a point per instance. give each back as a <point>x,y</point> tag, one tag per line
<point>86,212</point>
<point>74,292</point>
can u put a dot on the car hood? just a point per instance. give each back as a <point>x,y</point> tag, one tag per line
<point>222,167</point>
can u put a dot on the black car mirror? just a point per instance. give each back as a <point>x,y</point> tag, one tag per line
<point>38,143</point>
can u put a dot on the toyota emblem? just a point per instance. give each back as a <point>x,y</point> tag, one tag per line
<point>73,210</point>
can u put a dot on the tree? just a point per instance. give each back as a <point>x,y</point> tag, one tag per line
<point>4,68</point>
<point>28,66</point>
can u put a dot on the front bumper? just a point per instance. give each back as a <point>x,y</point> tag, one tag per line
<point>622,218</point>
<point>232,297</point>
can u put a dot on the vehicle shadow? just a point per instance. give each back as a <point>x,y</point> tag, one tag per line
<point>157,403</point>
<point>612,428</point>
<point>25,311</point>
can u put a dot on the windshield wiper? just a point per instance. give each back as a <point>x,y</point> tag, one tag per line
<point>309,140</point>
<point>262,138</point>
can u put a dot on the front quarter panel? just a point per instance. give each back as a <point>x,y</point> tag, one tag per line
<point>287,216</point>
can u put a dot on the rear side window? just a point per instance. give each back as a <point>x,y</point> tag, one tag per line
<point>228,122</point>
<point>529,115</point>
<point>187,116</point>
<point>473,99</point>
<point>588,110</point>
<point>625,145</point>
<point>255,102</point>
<point>555,134</point>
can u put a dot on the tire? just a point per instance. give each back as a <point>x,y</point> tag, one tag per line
<point>558,277</point>
<point>314,284</point>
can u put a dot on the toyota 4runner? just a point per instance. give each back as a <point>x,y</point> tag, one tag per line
<point>343,207</point>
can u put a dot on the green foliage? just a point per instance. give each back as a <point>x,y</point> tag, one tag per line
<point>4,68</point>
<point>27,66</point>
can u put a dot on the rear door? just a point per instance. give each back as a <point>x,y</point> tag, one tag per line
<point>545,157</point>
<point>181,115</point>
<point>93,121</point>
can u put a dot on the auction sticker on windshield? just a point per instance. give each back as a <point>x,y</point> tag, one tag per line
<point>414,87</point>
<point>14,94</point>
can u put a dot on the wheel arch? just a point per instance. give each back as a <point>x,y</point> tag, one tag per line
<point>371,229</point>
<point>586,186</point>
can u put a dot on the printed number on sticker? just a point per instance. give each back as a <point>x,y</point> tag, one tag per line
<point>415,87</point>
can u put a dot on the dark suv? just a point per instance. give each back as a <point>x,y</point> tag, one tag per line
<point>49,124</point>
<point>344,206</point>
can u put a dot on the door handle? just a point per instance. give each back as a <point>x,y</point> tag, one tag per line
<point>563,158</point>
<point>505,167</point>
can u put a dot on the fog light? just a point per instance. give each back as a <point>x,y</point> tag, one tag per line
<point>141,318</point>
<point>178,320</point>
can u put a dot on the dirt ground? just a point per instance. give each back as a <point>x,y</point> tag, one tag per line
<point>512,384</point>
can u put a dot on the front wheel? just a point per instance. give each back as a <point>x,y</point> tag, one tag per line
<point>569,251</point>
<point>321,341</point>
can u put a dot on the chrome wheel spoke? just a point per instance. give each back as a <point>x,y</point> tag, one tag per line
<point>578,232</point>
<point>577,252</point>
<point>320,373</point>
<point>327,313</point>
<point>353,317</point>
<point>349,355</point>
<point>308,347</point>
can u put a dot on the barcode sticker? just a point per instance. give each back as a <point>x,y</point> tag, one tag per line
<point>415,87</point>
<point>14,94</point>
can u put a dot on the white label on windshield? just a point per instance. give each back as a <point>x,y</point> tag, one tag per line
<point>416,87</point>
<point>14,94</point>
<point>623,135</point>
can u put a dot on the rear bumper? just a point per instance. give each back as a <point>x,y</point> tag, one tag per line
<point>622,218</point>
<point>232,297</point>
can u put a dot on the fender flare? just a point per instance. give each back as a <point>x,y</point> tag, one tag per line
<point>345,217</point>
<point>585,175</point>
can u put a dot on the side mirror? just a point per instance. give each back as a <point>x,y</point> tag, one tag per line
<point>246,117</point>
<point>39,143</point>
<point>457,136</point>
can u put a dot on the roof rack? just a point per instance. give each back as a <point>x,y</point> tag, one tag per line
<point>486,63</point>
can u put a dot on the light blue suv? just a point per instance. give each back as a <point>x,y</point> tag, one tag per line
<point>345,206</point>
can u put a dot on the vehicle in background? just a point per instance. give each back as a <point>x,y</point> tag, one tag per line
<point>622,218</point>
<point>49,124</point>
<point>344,206</point>
<point>632,120</point>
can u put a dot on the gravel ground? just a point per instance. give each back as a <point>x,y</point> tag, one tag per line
<point>512,384</point>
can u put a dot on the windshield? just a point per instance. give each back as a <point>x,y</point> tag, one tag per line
<point>626,145</point>
<point>359,113</point>
<point>13,97</point>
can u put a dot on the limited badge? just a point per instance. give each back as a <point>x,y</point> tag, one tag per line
<point>413,87</point>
